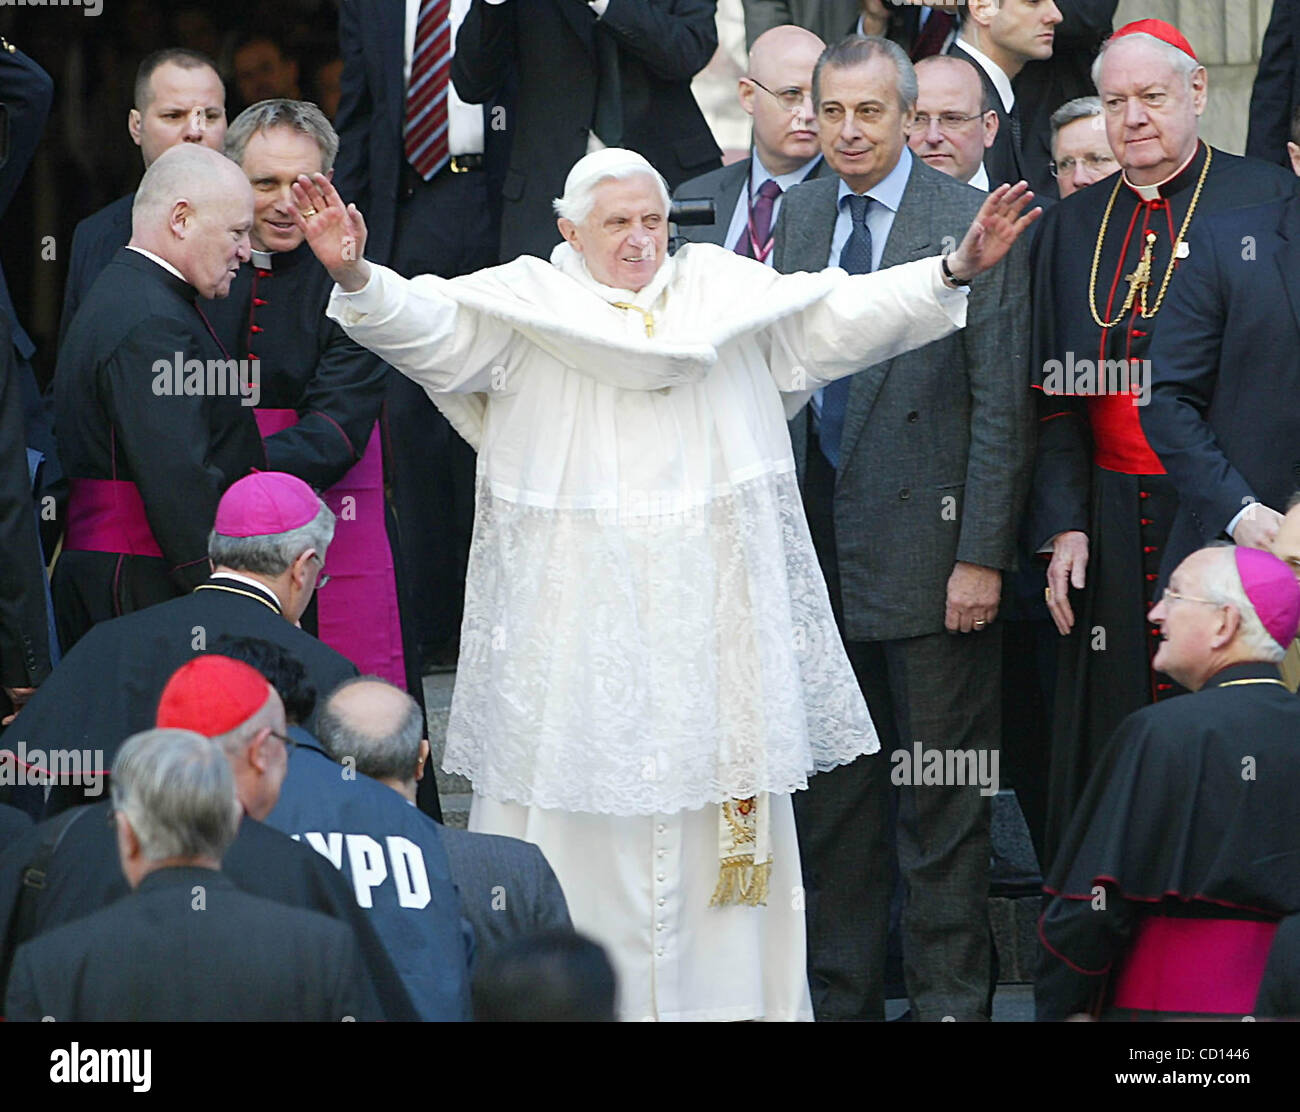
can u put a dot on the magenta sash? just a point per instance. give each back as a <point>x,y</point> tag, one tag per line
<point>107,515</point>
<point>356,613</point>
<point>1194,965</point>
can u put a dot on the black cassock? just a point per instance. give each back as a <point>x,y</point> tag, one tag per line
<point>146,466</point>
<point>1183,854</point>
<point>1095,471</point>
<point>107,687</point>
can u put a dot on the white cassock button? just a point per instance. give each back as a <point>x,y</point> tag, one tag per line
<point>662,853</point>
<point>659,926</point>
<point>662,901</point>
<point>661,828</point>
<point>660,877</point>
<point>660,951</point>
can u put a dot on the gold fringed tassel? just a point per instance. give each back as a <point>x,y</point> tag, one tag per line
<point>740,881</point>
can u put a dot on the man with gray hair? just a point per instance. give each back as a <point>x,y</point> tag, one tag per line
<point>267,553</point>
<point>153,417</point>
<point>913,473</point>
<point>649,666</point>
<point>321,391</point>
<point>507,889</point>
<point>1080,153</point>
<point>1180,859</point>
<point>187,944</point>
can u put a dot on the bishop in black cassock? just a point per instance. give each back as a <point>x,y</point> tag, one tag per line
<point>1185,849</point>
<point>1095,472</point>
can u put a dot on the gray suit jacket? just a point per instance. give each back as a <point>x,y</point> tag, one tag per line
<point>937,444</point>
<point>507,888</point>
<point>723,187</point>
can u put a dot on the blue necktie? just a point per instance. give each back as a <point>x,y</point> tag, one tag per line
<point>855,257</point>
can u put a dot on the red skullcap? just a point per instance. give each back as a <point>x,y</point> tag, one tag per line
<point>211,695</point>
<point>265,503</point>
<point>1161,30</point>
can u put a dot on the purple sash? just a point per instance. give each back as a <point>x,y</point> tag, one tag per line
<point>107,515</point>
<point>356,614</point>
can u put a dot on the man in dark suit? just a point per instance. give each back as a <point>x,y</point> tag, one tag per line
<point>179,98</point>
<point>507,888</point>
<point>260,586</point>
<point>67,867</point>
<point>777,92</point>
<point>148,452</point>
<point>913,476</point>
<point>1225,353</point>
<point>25,634</point>
<point>614,73</point>
<point>1000,37</point>
<point>187,944</point>
<point>1275,95</point>
<point>426,169</point>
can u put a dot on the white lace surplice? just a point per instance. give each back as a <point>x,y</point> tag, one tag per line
<point>646,625</point>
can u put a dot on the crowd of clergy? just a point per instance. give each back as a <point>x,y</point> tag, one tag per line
<point>765,576</point>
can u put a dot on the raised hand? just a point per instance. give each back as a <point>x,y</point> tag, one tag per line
<point>335,232</point>
<point>996,227</point>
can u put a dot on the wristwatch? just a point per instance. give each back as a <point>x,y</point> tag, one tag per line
<point>950,276</point>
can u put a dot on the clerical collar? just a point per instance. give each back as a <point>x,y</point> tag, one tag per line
<point>1179,179</point>
<point>980,179</point>
<point>996,73</point>
<point>1247,673</point>
<point>160,261</point>
<point>231,582</point>
<point>267,260</point>
<point>262,259</point>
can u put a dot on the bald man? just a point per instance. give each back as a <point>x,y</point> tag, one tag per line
<point>154,420</point>
<point>955,122</point>
<point>776,92</point>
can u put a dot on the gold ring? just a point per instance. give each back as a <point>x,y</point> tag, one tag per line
<point>1047,594</point>
<point>979,623</point>
<point>309,212</point>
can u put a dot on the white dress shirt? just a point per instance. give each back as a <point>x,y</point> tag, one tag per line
<point>997,75</point>
<point>464,121</point>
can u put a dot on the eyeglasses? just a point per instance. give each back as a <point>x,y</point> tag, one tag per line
<point>289,744</point>
<point>790,99</point>
<point>948,121</point>
<point>322,580</point>
<point>1065,167</point>
<point>1170,595</point>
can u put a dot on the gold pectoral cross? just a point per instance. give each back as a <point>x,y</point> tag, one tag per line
<point>646,315</point>
<point>1140,280</point>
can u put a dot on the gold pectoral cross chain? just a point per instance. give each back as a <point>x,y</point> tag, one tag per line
<point>646,315</point>
<point>1140,280</point>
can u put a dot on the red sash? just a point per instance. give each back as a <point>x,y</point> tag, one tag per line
<point>1194,965</point>
<point>107,515</point>
<point>356,614</point>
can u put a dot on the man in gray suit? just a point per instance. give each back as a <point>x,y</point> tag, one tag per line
<point>913,477</point>
<point>777,92</point>
<point>507,888</point>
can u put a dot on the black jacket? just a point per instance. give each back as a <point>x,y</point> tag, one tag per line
<point>1276,91</point>
<point>95,241</point>
<point>85,875</point>
<point>550,46</point>
<point>189,945</point>
<point>116,422</point>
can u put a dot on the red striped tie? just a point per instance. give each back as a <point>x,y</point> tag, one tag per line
<point>425,132</point>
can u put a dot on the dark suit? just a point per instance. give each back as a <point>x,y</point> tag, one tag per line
<point>447,226</point>
<point>1276,91</point>
<point>1003,161</point>
<point>85,875</point>
<point>179,453</point>
<point>933,469</point>
<point>723,187</point>
<point>1225,371</point>
<point>188,945</point>
<point>25,95</point>
<point>829,20</point>
<point>95,241</point>
<point>551,46</point>
<point>133,657</point>
<point>507,887</point>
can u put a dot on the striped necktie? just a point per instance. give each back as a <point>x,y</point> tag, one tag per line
<point>425,132</point>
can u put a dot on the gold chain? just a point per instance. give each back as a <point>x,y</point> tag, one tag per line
<point>1238,683</point>
<point>646,315</point>
<point>1138,279</point>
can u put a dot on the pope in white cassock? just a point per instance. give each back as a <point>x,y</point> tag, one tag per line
<point>649,665</point>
